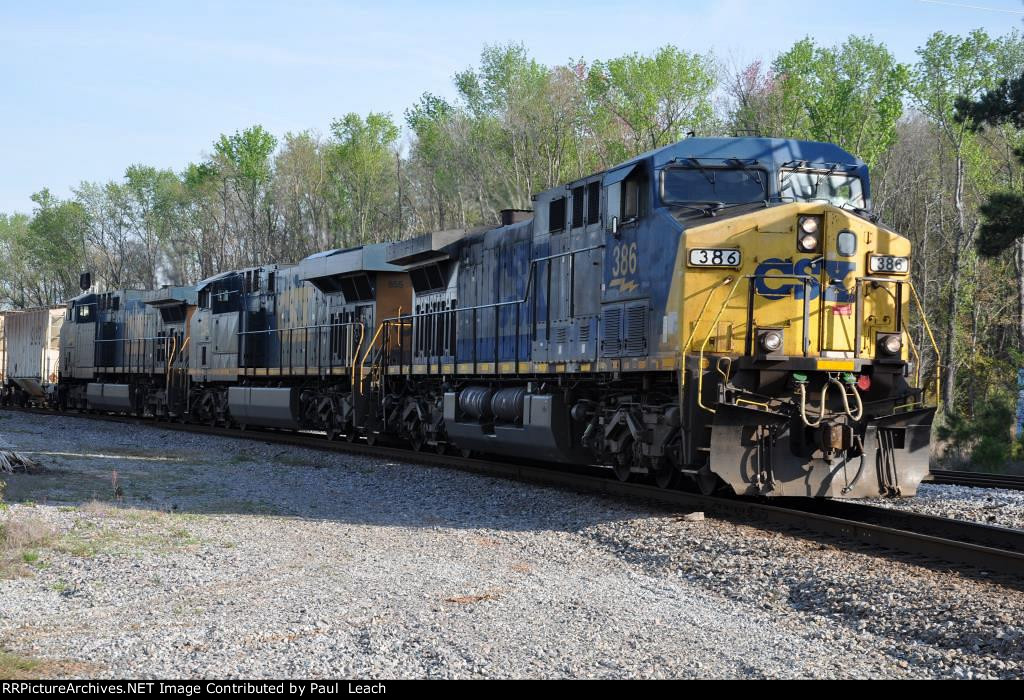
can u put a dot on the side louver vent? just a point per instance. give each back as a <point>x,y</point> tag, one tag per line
<point>636,329</point>
<point>611,331</point>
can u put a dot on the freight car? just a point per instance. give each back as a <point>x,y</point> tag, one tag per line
<point>725,311</point>
<point>29,353</point>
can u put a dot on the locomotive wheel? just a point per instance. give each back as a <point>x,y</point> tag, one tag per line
<point>440,447</point>
<point>417,437</point>
<point>466,454</point>
<point>707,481</point>
<point>622,471</point>
<point>371,438</point>
<point>666,476</point>
<point>351,434</point>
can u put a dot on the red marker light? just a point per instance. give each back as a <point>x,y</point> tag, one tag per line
<point>863,382</point>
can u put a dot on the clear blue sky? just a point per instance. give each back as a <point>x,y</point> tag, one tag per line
<point>87,89</point>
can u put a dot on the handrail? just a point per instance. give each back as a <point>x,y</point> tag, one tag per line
<point>526,293</point>
<point>935,346</point>
<point>902,326</point>
<point>170,356</point>
<point>359,345</point>
<point>693,333</point>
<point>700,361</point>
<point>380,327</point>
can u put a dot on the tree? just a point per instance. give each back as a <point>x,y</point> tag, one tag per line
<point>52,249</point>
<point>151,193</point>
<point>639,103</point>
<point>948,67</point>
<point>301,194</point>
<point>850,95</point>
<point>433,153</point>
<point>1002,214</point>
<point>363,161</point>
<point>244,165</point>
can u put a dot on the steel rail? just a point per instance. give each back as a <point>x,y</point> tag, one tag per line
<point>978,479</point>
<point>988,548</point>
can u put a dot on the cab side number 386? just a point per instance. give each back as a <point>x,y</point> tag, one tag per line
<point>624,259</point>
<point>714,257</point>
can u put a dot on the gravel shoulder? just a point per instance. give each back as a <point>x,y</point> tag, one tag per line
<point>146,552</point>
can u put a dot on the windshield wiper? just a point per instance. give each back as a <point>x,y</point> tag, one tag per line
<point>691,204</point>
<point>859,211</point>
<point>754,175</point>
<point>762,202</point>
<point>695,162</point>
<point>817,183</point>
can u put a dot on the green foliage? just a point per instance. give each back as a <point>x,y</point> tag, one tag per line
<point>363,160</point>
<point>644,102</point>
<point>951,69</point>
<point>248,153</point>
<point>851,95</point>
<point>1002,223</point>
<point>984,436</point>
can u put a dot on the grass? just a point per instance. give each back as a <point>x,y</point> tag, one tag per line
<point>20,539</point>
<point>16,667</point>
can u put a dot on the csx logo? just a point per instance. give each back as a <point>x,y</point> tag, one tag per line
<point>770,282</point>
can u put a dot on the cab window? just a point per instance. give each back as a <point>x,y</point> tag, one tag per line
<point>810,185</point>
<point>704,184</point>
<point>634,196</point>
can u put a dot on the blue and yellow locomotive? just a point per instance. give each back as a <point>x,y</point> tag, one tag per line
<point>722,310</point>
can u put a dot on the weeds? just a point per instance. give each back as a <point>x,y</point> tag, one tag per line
<point>20,538</point>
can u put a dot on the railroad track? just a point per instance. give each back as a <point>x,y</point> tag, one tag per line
<point>985,548</point>
<point>978,479</point>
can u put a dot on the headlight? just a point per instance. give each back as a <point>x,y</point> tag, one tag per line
<point>890,343</point>
<point>808,235</point>
<point>771,341</point>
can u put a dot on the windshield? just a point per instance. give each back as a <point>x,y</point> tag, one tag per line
<point>835,188</point>
<point>713,184</point>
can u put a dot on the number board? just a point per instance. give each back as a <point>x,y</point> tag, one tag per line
<point>888,263</point>
<point>715,257</point>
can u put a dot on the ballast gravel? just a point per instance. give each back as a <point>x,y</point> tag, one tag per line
<point>170,554</point>
<point>999,507</point>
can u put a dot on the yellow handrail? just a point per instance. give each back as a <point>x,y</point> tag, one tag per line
<point>711,329</point>
<point>362,362</point>
<point>935,346</point>
<point>696,325</point>
<point>359,345</point>
<point>170,356</point>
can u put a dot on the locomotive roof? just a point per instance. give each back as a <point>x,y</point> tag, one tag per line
<point>368,258</point>
<point>770,152</point>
